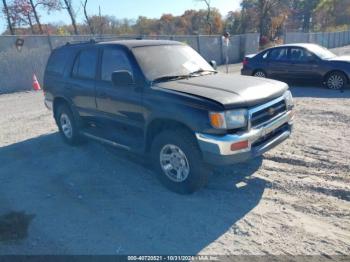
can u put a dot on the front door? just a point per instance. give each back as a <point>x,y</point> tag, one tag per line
<point>304,64</point>
<point>119,108</point>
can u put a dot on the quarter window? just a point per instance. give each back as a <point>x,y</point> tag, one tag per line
<point>85,64</point>
<point>264,56</point>
<point>113,60</point>
<point>57,61</point>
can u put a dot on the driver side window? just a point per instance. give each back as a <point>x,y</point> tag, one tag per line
<point>300,55</point>
<point>113,60</point>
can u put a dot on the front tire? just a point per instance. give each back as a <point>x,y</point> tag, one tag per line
<point>178,161</point>
<point>336,81</point>
<point>67,125</point>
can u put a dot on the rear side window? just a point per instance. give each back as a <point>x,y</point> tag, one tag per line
<point>58,61</point>
<point>113,60</point>
<point>85,64</point>
<point>264,55</point>
<point>279,54</point>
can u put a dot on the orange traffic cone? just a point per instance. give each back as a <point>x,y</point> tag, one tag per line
<point>36,85</point>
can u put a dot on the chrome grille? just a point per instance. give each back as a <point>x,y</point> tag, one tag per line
<point>270,111</point>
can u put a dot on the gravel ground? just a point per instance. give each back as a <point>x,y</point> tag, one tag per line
<point>295,200</point>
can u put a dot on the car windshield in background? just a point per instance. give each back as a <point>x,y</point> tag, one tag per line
<point>166,61</point>
<point>322,52</point>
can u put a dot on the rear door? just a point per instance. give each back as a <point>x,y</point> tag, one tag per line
<point>278,64</point>
<point>81,85</point>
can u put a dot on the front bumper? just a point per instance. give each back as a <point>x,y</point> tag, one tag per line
<point>216,150</point>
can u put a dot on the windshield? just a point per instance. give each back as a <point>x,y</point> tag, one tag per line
<point>169,60</point>
<point>322,52</point>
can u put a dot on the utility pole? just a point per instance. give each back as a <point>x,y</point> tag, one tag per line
<point>100,16</point>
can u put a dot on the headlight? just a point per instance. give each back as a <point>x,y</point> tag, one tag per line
<point>289,100</point>
<point>231,119</point>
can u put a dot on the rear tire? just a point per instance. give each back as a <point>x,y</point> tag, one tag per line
<point>336,81</point>
<point>259,73</point>
<point>68,126</point>
<point>178,161</point>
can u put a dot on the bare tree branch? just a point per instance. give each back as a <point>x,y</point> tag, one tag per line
<point>68,6</point>
<point>87,18</point>
<point>9,24</point>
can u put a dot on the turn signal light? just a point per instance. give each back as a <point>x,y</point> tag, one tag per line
<point>217,120</point>
<point>240,145</point>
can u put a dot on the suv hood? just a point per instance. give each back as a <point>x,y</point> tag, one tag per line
<point>232,91</point>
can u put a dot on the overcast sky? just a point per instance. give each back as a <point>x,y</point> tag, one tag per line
<point>133,9</point>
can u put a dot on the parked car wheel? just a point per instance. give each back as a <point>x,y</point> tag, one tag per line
<point>68,126</point>
<point>259,73</point>
<point>178,162</point>
<point>336,80</point>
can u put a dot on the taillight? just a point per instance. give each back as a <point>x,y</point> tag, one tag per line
<point>245,61</point>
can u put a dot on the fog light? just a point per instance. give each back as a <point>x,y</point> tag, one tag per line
<point>240,145</point>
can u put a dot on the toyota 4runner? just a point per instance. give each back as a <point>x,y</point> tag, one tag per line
<point>163,100</point>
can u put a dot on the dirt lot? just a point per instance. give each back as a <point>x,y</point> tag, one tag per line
<point>94,200</point>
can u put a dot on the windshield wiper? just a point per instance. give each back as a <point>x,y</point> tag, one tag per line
<point>177,77</point>
<point>201,71</point>
<point>169,78</point>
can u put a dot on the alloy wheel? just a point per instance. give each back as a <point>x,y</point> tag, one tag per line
<point>174,163</point>
<point>260,74</point>
<point>335,81</point>
<point>66,126</point>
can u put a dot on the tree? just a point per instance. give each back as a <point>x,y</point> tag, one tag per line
<point>333,14</point>
<point>8,18</point>
<point>301,13</point>
<point>21,14</point>
<point>208,21</point>
<point>263,13</point>
<point>87,19</point>
<point>166,24</point>
<point>69,8</point>
<point>48,5</point>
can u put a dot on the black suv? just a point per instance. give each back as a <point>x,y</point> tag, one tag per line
<point>162,99</point>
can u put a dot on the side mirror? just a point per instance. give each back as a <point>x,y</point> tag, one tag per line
<point>213,64</point>
<point>122,78</point>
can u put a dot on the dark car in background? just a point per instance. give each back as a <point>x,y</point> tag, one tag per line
<point>299,62</point>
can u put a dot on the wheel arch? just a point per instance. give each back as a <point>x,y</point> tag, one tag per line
<point>336,71</point>
<point>57,102</point>
<point>156,126</point>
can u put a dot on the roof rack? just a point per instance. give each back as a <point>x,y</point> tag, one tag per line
<point>91,41</point>
<point>102,39</point>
